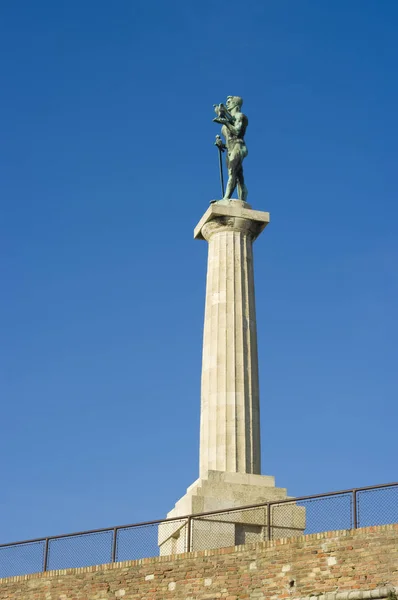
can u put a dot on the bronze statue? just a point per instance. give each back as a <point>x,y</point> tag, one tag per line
<point>234,124</point>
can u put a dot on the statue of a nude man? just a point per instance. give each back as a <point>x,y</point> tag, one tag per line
<point>234,124</point>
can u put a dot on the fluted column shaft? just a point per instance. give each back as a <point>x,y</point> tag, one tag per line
<point>230,420</point>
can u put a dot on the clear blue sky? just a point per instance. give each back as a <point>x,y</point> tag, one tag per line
<point>107,163</point>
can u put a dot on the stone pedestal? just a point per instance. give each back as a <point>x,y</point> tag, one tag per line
<point>224,491</point>
<point>230,459</point>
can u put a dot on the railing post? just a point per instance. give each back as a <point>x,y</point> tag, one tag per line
<point>269,521</point>
<point>189,530</point>
<point>114,545</point>
<point>354,509</point>
<point>45,560</point>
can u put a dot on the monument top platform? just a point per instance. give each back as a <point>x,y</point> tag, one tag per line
<point>231,208</point>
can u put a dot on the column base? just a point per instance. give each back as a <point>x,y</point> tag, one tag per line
<point>220,490</point>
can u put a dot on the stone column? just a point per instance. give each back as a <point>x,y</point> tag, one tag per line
<point>230,420</point>
<point>229,424</point>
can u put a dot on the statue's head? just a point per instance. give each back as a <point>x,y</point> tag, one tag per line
<point>234,102</point>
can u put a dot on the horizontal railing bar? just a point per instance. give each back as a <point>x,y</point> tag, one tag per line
<point>254,524</point>
<point>374,487</point>
<point>203,514</point>
<point>35,541</point>
<point>92,531</point>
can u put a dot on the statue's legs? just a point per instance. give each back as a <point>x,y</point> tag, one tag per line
<point>235,172</point>
<point>234,164</point>
<point>242,189</point>
<point>231,184</point>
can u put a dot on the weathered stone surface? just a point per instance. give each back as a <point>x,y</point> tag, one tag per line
<point>230,455</point>
<point>232,208</point>
<point>229,421</point>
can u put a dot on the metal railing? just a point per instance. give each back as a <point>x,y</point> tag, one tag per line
<point>346,509</point>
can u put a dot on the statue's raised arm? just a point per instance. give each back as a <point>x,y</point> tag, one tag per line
<point>234,124</point>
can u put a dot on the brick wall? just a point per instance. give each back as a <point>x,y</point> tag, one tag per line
<point>362,559</point>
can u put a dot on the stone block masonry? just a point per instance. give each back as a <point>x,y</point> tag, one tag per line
<point>361,560</point>
<point>230,402</point>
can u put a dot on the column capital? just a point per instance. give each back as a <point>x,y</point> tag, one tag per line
<point>232,215</point>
